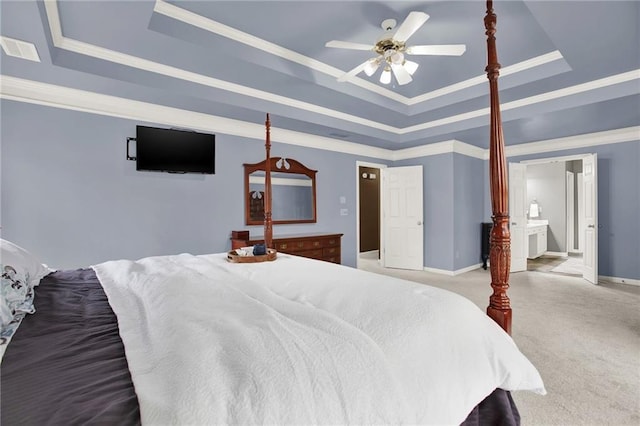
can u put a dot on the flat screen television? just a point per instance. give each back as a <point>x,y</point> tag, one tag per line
<point>174,151</point>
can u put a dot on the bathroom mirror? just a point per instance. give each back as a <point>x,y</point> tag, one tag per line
<point>293,192</point>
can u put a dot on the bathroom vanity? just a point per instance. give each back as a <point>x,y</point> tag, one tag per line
<point>537,237</point>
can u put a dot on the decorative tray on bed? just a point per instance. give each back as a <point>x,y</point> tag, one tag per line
<point>234,257</point>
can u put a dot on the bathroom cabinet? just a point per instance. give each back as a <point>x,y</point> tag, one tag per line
<point>537,238</point>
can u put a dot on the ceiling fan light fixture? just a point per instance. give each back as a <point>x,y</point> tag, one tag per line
<point>392,49</point>
<point>371,67</point>
<point>410,66</point>
<point>397,58</point>
<point>385,77</point>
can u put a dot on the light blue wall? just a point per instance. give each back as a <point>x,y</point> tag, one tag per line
<point>453,209</point>
<point>70,196</point>
<point>468,210</point>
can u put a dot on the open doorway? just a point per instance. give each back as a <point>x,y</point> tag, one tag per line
<point>560,216</point>
<point>553,185</point>
<point>394,239</point>
<point>368,212</point>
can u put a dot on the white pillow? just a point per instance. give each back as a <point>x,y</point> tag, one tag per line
<point>20,272</point>
<point>22,262</point>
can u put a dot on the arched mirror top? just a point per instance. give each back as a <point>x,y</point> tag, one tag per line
<point>293,192</point>
<point>281,165</point>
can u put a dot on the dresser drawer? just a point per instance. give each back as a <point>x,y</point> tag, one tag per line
<point>293,246</point>
<point>312,254</point>
<point>331,242</point>
<point>335,259</point>
<point>331,251</point>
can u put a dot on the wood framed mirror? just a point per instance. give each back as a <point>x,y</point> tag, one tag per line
<point>293,192</point>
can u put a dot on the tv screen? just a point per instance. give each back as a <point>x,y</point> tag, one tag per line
<point>174,151</point>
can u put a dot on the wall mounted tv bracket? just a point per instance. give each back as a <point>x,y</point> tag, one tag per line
<point>130,158</point>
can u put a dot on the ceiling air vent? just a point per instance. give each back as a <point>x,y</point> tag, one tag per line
<point>19,49</point>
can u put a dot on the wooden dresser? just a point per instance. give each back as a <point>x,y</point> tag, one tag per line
<point>315,246</point>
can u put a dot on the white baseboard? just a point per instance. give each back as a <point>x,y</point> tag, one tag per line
<point>619,280</point>
<point>453,273</point>
<point>556,253</point>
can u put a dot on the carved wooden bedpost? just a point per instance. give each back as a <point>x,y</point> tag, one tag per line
<point>268,221</point>
<point>500,254</point>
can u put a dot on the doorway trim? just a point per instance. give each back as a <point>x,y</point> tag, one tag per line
<point>557,159</point>
<point>357,175</point>
<point>571,212</point>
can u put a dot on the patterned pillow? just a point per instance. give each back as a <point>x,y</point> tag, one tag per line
<point>20,272</point>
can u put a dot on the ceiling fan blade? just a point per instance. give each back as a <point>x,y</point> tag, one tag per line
<point>348,75</point>
<point>348,45</point>
<point>402,75</point>
<point>410,25</point>
<point>437,49</point>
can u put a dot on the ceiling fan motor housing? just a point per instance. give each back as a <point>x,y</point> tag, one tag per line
<point>388,44</point>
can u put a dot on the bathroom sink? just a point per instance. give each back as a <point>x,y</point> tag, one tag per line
<point>537,222</point>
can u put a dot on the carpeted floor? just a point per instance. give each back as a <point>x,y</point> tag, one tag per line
<point>583,338</point>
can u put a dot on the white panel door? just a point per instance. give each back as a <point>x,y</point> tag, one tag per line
<point>590,209</point>
<point>402,217</point>
<point>518,216</point>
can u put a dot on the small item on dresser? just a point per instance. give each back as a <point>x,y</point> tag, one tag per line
<point>244,251</point>
<point>240,235</point>
<point>259,250</point>
<point>235,256</point>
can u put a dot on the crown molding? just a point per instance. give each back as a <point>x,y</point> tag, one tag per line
<point>34,92</point>
<point>445,147</point>
<point>135,62</point>
<point>207,24</point>
<point>608,137</point>
<point>199,21</point>
<point>482,79</point>
<point>98,52</point>
<point>576,89</point>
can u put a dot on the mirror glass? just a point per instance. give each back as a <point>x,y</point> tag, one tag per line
<point>292,189</point>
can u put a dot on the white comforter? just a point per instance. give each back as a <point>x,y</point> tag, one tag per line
<point>298,341</point>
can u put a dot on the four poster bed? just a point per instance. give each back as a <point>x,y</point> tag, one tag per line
<point>199,340</point>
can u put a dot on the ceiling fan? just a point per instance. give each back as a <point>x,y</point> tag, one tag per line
<point>391,48</point>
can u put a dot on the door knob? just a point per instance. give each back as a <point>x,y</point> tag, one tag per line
<point>591,226</point>
<point>419,222</point>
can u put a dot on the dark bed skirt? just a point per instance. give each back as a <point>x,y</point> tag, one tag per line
<point>66,363</point>
<point>496,409</point>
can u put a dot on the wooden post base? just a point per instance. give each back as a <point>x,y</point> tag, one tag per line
<point>502,317</point>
